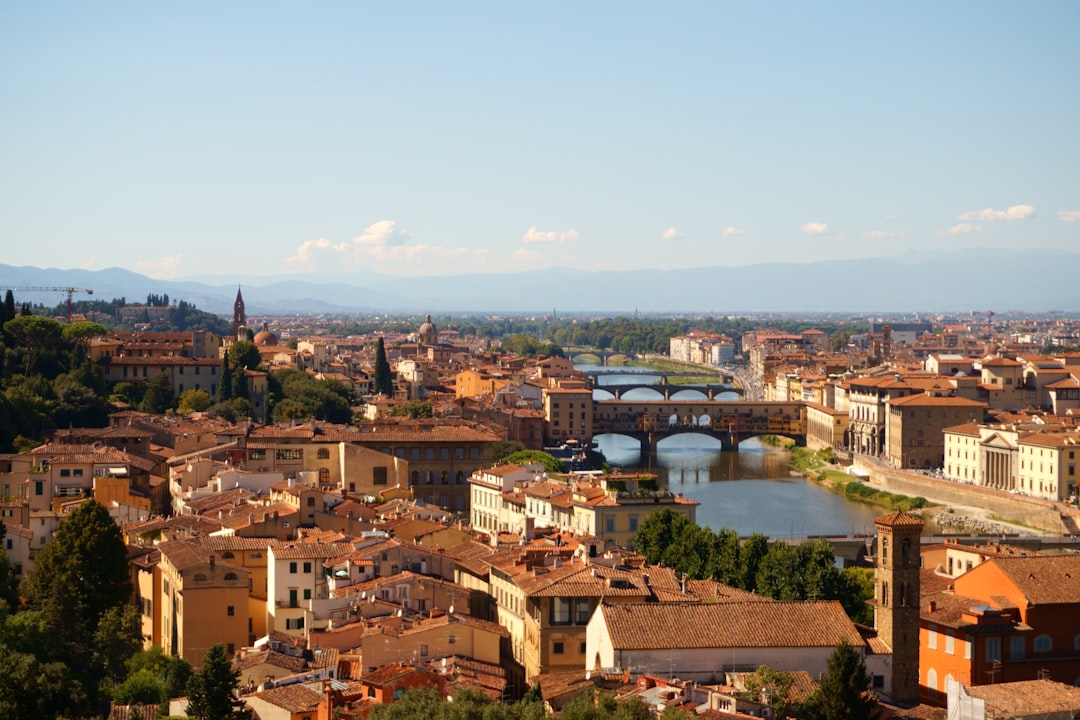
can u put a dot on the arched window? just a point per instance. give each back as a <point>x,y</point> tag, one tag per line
<point>311,501</point>
<point>885,594</point>
<point>199,577</point>
<point>227,555</point>
<point>885,549</point>
<point>1044,643</point>
<point>902,599</point>
<point>905,552</point>
<point>931,681</point>
<point>324,476</point>
<point>230,576</point>
<point>323,454</point>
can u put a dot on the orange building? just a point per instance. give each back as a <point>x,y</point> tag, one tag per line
<point>1005,620</point>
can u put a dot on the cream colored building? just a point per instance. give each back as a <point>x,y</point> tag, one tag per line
<point>915,425</point>
<point>1047,465</point>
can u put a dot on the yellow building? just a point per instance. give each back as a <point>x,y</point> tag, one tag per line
<point>1048,465</point>
<point>568,414</point>
<point>202,601</point>
<point>825,427</point>
<point>471,383</point>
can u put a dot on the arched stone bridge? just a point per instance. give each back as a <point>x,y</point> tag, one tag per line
<point>604,355</point>
<point>730,422</point>
<point>710,390</point>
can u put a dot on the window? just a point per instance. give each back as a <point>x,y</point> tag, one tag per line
<point>950,644</point>
<point>65,472</point>
<point>311,501</point>
<point>294,623</point>
<point>1016,647</point>
<point>444,453</point>
<point>77,472</point>
<point>581,647</point>
<point>1043,644</point>
<point>256,454</point>
<point>289,454</point>
<point>993,649</point>
<point>323,454</point>
<point>459,453</point>
<point>378,475</point>
<point>423,651</point>
<point>581,611</point>
<point>307,593</point>
<point>557,648</point>
<point>931,681</point>
<point>414,454</point>
<point>474,453</point>
<point>230,611</point>
<point>931,637</point>
<point>39,487</point>
<point>560,611</point>
<point>609,524</point>
<point>307,567</point>
<point>292,567</point>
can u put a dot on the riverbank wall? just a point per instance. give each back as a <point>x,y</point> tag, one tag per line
<point>1031,512</point>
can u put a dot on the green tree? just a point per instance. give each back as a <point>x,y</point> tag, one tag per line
<point>551,463</point>
<point>157,394</point>
<point>244,354</point>
<point>142,687</point>
<point>774,688</point>
<point>9,588</point>
<point>173,672</point>
<point>116,640</point>
<point>194,400</point>
<point>657,532</point>
<point>844,692</point>
<point>82,332</point>
<point>502,448</point>
<point>80,573</point>
<point>30,688</point>
<point>7,310</point>
<point>33,335</point>
<point>778,576</point>
<point>211,690</point>
<point>384,377</point>
<point>413,409</point>
<point>225,386</point>
<point>753,551</point>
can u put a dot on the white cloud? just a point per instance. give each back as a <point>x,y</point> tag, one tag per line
<point>384,247</point>
<point>1015,212</point>
<point>672,234</point>
<point>815,228</point>
<point>961,229</point>
<point>533,235</point>
<point>304,259</point>
<point>88,264</point>
<point>161,268</point>
<point>879,234</point>
<point>1068,216</point>
<point>732,230</point>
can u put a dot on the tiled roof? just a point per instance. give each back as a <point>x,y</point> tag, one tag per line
<point>310,551</point>
<point>1045,580</point>
<point>1028,698</point>
<point>648,626</point>
<point>297,698</point>
<point>934,401</point>
<point>898,518</point>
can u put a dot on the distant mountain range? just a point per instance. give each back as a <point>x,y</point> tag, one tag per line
<point>1034,280</point>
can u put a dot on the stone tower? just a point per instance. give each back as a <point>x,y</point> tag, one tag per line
<point>896,599</point>
<point>239,317</point>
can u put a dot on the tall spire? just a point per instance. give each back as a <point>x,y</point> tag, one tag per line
<point>239,316</point>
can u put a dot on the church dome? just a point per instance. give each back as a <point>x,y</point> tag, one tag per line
<point>265,336</point>
<point>428,334</point>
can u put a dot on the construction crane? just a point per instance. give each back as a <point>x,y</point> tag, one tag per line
<point>989,314</point>
<point>69,290</point>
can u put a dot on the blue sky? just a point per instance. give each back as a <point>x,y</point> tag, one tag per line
<point>256,138</point>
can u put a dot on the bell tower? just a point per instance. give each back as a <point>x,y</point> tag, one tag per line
<point>896,599</point>
<point>239,317</point>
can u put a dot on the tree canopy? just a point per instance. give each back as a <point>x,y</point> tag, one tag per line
<point>211,691</point>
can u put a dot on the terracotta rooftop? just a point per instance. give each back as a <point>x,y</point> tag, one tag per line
<point>649,626</point>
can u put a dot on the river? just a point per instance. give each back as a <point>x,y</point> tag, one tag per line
<point>749,491</point>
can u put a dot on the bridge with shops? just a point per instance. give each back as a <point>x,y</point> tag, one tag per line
<point>730,422</point>
<point>710,390</point>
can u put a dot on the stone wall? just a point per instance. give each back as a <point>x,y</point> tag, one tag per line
<point>1023,510</point>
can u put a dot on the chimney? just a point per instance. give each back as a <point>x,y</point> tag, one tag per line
<point>212,563</point>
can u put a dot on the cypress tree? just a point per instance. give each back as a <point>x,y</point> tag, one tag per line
<point>384,381</point>
<point>8,310</point>
<point>224,392</point>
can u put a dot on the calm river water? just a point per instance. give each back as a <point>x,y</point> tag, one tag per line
<point>749,491</point>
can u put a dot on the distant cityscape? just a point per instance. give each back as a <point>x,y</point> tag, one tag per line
<point>356,506</point>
